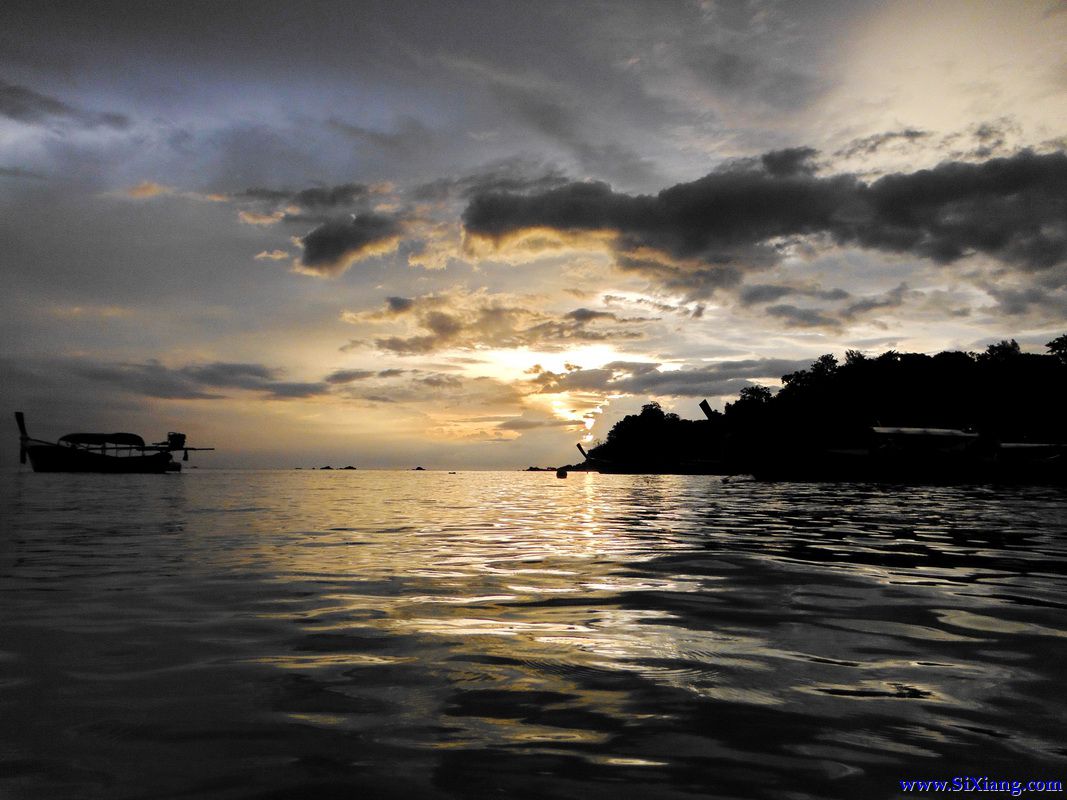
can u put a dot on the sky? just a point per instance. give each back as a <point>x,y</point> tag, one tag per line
<point>473,234</point>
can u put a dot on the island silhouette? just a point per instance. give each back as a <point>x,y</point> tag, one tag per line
<point>954,416</point>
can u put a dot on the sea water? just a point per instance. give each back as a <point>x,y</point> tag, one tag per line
<point>258,634</point>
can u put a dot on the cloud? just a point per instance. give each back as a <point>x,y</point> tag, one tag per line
<point>409,137</point>
<point>1046,304</point>
<point>511,175</point>
<point>452,395</point>
<point>255,218</point>
<point>469,320</point>
<point>147,189</point>
<point>193,381</point>
<point>831,318</point>
<point>265,206</point>
<point>333,247</point>
<point>273,255</point>
<point>527,423</point>
<point>736,74</point>
<point>340,196</point>
<point>705,234</point>
<point>756,293</point>
<point>649,379</point>
<point>869,145</point>
<point>25,105</point>
<point>19,172</point>
<point>552,110</point>
<point>894,298</point>
<point>398,305</point>
<point>584,315</point>
<point>793,161</point>
<point>695,311</point>
<point>802,317</point>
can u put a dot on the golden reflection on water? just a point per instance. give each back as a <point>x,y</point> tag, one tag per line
<point>655,624</point>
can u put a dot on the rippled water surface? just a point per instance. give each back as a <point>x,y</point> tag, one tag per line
<point>397,634</point>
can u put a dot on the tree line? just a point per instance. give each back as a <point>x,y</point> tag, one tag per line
<point>1002,393</point>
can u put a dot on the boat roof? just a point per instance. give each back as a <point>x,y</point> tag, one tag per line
<point>950,432</point>
<point>128,439</point>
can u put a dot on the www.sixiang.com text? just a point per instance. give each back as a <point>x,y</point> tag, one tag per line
<point>1015,788</point>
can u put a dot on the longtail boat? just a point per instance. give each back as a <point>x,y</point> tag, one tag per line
<point>102,452</point>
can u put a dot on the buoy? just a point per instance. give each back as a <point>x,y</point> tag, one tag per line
<point>561,473</point>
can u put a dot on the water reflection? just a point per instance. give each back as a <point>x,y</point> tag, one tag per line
<point>457,634</point>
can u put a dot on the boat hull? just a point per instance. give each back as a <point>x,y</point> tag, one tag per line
<point>54,458</point>
<point>928,468</point>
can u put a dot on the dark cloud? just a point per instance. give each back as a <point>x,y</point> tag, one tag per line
<point>150,379</point>
<point>194,381</point>
<point>869,145</point>
<point>1011,209</point>
<point>286,390</point>
<point>25,105</point>
<point>793,161</point>
<point>588,314</point>
<point>514,176</point>
<point>1048,303</point>
<point>807,317</point>
<point>348,375</point>
<point>757,293</point>
<point>342,195</point>
<point>334,246</point>
<point>695,283</point>
<point>317,204</point>
<point>894,298</point>
<point>803,317</point>
<point>398,305</point>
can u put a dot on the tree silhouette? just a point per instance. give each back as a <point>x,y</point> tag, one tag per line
<point>1002,393</point>
<point>1058,347</point>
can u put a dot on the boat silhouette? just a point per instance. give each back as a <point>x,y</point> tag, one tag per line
<point>102,452</point>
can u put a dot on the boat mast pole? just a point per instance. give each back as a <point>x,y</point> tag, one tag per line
<point>20,420</point>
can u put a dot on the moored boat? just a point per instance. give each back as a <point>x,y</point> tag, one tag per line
<point>102,452</point>
<point>920,455</point>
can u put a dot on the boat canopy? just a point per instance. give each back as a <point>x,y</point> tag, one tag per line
<point>101,439</point>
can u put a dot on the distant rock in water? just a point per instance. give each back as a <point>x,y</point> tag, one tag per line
<point>419,469</point>
<point>325,467</point>
<point>348,467</point>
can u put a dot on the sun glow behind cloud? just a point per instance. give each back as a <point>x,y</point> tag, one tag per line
<point>495,251</point>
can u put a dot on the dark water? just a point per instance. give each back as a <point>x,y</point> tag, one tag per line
<point>377,634</point>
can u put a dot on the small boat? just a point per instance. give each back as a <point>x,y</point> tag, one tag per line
<point>921,455</point>
<point>102,452</point>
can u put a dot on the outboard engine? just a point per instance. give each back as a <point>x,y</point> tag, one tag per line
<point>175,441</point>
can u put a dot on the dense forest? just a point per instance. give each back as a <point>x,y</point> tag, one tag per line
<point>1003,394</point>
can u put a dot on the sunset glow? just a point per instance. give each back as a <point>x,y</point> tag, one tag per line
<point>424,241</point>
